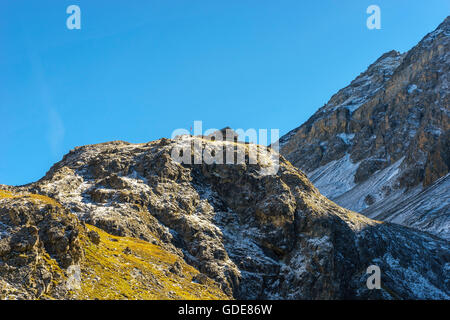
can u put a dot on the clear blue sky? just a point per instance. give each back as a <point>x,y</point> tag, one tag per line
<point>137,69</point>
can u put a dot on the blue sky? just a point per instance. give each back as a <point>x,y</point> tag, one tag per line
<point>137,70</point>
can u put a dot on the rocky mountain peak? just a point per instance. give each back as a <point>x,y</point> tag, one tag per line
<point>386,135</point>
<point>255,235</point>
<point>226,133</point>
<point>170,219</point>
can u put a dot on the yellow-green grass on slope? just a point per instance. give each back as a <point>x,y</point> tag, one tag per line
<point>128,268</point>
<point>5,194</point>
<point>125,268</point>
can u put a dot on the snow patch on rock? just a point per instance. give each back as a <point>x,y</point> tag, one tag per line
<point>335,178</point>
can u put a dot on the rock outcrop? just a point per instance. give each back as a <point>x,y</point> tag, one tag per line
<point>258,230</point>
<point>385,137</point>
<point>38,238</point>
<point>171,219</point>
<point>46,252</point>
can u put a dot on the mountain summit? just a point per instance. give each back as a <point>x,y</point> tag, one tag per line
<point>380,146</point>
<point>126,220</point>
<point>118,220</point>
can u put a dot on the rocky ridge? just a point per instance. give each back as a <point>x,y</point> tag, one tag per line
<point>385,137</point>
<point>254,234</point>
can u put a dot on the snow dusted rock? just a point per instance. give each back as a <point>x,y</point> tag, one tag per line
<point>385,136</point>
<point>257,235</point>
<point>427,209</point>
<point>46,252</point>
<point>254,229</point>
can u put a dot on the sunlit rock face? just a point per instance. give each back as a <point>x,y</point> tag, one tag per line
<point>121,220</point>
<point>256,230</point>
<point>385,138</point>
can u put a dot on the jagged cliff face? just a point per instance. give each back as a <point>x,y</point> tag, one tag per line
<point>384,137</point>
<point>253,234</point>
